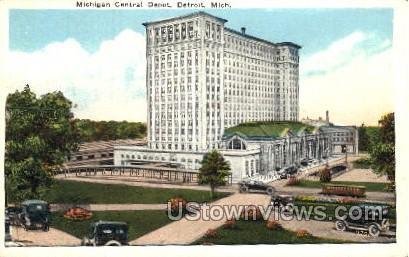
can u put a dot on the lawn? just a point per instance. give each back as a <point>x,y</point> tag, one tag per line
<point>363,163</point>
<point>256,232</point>
<point>370,186</point>
<point>139,222</point>
<point>330,209</point>
<point>64,191</point>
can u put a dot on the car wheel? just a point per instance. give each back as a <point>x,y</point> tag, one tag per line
<point>243,189</point>
<point>113,243</point>
<point>374,230</point>
<point>46,228</point>
<point>340,225</point>
<point>270,190</point>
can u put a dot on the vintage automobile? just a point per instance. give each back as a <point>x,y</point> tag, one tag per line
<point>35,214</point>
<point>284,203</point>
<point>253,185</point>
<point>12,215</point>
<point>108,233</point>
<point>373,219</point>
<point>287,172</point>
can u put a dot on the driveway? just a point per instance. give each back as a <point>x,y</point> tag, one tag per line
<point>53,237</point>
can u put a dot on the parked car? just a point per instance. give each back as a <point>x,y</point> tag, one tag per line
<point>12,215</point>
<point>282,202</point>
<point>108,233</point>
<point>374,220</point>
<point>304,162</point>
<point>253,185</point>
<point>34,214</point>
<point>287,172</point>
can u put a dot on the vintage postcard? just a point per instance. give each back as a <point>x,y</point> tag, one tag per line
<point>203,124</point>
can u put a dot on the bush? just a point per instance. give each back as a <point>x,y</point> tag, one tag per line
<point>325,175</point>
<point>229,224</point>
<point>175,202</point>
<point>211,233</point>
<point>292,181</point>
<point>273,225</point>
<point>251,212</point>
<point>303,233</point>
<point>364,163</point>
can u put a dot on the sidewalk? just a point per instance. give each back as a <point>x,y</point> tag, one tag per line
<point>184,232</point>
<point>109,207</point>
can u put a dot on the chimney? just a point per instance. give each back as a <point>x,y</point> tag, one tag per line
<point>327,116</point>
<point>243,30</point>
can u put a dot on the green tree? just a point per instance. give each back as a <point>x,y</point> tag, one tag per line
<point>214,170</point>
<point>363,143</point>
<point>383,152</point>
<point>40,134</point>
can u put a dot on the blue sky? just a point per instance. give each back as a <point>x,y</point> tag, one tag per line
<point>75,51</point>
<point>314,29</point>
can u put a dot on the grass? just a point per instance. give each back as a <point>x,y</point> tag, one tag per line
<point>363,163</point>
<point>256,232</point>
<point>330,209</point>
<point>370,186</point>
<point>139,222</point>
<point>64,191</point>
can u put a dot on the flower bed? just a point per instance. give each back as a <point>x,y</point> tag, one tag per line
<point>77,213</point>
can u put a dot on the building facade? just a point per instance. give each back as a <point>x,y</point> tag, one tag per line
<point>203,77</point>
<point>211,87</point>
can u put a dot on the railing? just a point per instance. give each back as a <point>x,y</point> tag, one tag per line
<point>152,173</point>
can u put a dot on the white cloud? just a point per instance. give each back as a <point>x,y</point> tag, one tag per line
<point>106,85</point>
<point>352,79</point>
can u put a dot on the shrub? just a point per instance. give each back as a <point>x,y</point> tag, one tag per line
<point>175,202</point>
<point>211,233</point>
<point>229,224</point>
<point>273,225</point>
<point>292,181</point>
<point>303,233</point>
<point>251,212</point>
<point>325,175</point>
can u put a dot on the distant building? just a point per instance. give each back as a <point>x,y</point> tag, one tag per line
<point>98,152</point>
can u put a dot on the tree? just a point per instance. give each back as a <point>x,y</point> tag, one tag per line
<point>383,152</point>
<point>214,170</point>
<point>40,134</point>
<point>363,138</point>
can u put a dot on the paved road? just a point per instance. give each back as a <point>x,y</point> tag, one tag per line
<point>132,181</point>
<point>53,237</point>
<point>110,207</point>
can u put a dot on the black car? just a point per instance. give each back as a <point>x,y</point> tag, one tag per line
<point>373,219</point>
<point>282,202</point>
<point>287,172</point>
<point>253,185</point>
<point>34,214</point>
<point>108,233</point>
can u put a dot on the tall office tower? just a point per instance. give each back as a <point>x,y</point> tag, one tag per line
<point>203,77</point>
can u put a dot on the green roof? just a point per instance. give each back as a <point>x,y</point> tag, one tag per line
<point>268,129</point>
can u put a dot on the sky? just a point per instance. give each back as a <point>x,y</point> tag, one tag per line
<point>97,57</point>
